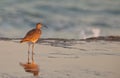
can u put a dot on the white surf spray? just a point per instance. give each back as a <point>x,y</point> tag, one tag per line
<point>89,32</point>
<point>96,32</point>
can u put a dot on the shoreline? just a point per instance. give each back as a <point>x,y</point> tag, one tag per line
<point>59,59</point>
<point>105,38</point>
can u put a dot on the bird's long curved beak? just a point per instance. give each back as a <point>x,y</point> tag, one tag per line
<point>45,26</point>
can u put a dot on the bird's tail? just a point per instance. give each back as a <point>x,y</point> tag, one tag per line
<point>21,41</point>
<point>24,40</point>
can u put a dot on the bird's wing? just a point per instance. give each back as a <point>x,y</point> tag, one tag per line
<point>31,34</point>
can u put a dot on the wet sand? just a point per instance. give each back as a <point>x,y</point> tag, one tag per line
<point>97,59</point>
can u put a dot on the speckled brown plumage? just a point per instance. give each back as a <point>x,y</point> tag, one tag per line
<point>32,36</point>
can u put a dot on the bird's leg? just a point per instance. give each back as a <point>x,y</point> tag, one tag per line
<point>28,53</point>
<point>33,52</point>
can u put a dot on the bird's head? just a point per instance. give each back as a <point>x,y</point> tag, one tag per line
<point>40,25</point>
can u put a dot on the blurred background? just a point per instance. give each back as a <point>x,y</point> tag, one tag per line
<point>65,18</point>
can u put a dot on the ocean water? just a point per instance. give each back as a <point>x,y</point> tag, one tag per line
<point>64,18</point>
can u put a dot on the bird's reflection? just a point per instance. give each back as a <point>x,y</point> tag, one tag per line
<point>31,67</point>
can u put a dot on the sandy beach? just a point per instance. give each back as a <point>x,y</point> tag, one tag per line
<point>97,59</point>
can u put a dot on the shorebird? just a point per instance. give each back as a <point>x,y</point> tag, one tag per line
<point>32,37</point>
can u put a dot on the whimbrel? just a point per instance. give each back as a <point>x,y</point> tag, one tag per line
<point>32,37</point>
